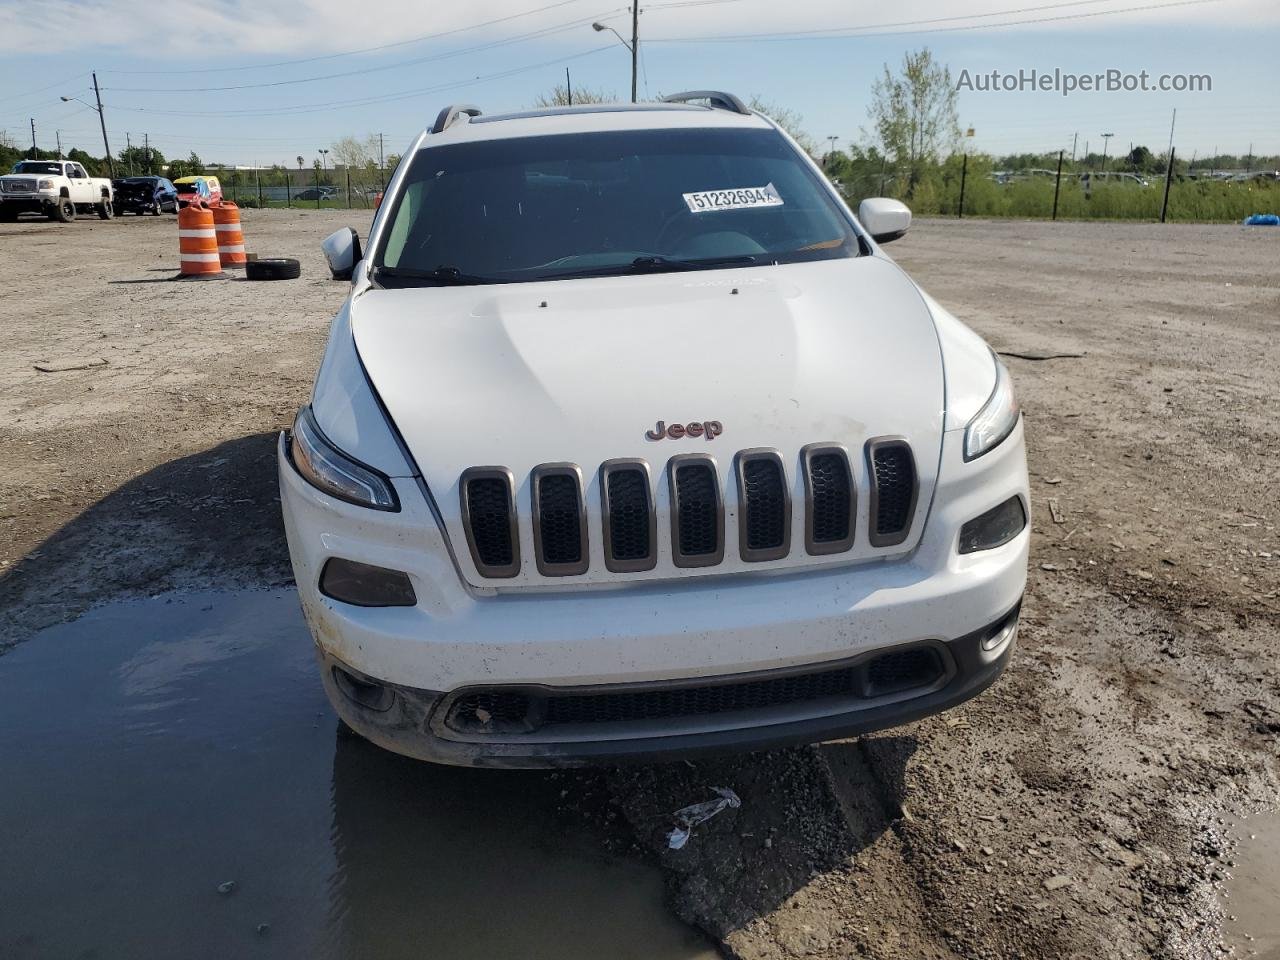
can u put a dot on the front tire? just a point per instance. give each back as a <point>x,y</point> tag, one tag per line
<point>105,210</point>
<point>155,208</point>
<point>64,211</point>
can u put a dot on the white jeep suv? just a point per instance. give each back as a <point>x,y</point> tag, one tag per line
<point>629,441</point>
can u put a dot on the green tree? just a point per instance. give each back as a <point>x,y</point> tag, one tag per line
<point>914,114</point>
<point>1140,160</point>
<point>195,166</point>
<point>788,119</point>
<point>138,161</point>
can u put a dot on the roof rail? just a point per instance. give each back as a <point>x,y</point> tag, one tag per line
<point>451,113</point>
<point>716,98</point>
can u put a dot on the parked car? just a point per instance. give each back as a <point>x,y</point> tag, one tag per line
<point>316,193</point>
<point>140,195</point>
<point>58,189</point>
<point>198,189</point>
<point>696,468</point>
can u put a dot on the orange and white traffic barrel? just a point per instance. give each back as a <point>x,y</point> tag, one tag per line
<point>226,221</point>
<point>197,243</point>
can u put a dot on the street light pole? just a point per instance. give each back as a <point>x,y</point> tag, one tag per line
<point>633,46</point>
<point>102,121</point>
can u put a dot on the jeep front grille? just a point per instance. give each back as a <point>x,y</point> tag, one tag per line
<point>562,533</point>
<point>831,497</point>
<point>559,520</point>
<point>627,511</point>
<point>697,515</point>
<point>893,490</point>
<point>764,506</point>
<point>489,517</point>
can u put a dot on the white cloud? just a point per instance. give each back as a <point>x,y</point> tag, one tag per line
<point>208,31</point>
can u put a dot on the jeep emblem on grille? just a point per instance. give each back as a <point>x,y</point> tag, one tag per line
<point>676,431</point>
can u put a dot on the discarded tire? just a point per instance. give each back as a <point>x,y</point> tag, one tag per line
<point>273,268</point>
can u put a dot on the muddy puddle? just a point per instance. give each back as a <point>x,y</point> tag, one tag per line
<point>1252,927</point>
<point>155,750</point>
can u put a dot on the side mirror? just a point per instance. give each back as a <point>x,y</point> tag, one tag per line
<point>883,218</point>
<point>342,250</point>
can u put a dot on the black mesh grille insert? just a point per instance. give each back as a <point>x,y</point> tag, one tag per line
<point>629,514</point>
<point>765,502</point>
<point>895,482</point>
<point>830,483</point>
<point>488,503</point>
<point>903,670</point>
<point>520,711</point>
<point>560,519</point>
<point>490,711</point>
<point>699,506</point>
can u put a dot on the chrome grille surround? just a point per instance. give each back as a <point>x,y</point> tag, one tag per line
<point>764,505</point>
<point>559,512</point>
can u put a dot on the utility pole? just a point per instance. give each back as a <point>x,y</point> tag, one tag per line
<point>635,46</point>
<point>1074,137</point>
<point>568,86</point>
<point>1248,163</point>
<point>146,151</point>
<point>382,167</point>
<point>128,151</point>
<point>1106,139</point>
<point>1057,185</point>
<point>34,151</point>
<point>111,164</point>
<point>58,135</point>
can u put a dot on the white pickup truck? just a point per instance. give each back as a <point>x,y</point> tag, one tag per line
<point>56,188</point>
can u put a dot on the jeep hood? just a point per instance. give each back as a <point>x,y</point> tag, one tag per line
<point>578,371</point>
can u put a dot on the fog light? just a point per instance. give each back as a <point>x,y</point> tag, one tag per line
<point>364,585</point>
<point>994,528</point>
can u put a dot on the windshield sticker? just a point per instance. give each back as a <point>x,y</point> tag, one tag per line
<point>708,201</point>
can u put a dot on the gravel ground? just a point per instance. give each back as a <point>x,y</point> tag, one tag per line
<point>1076,809</point>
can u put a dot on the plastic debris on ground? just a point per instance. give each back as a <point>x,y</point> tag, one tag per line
<point>1263,220</point>
<point>687,818</point>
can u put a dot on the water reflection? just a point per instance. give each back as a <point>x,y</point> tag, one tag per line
<point>155,749</point>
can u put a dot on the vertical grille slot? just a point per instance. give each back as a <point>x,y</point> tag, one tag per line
<point>697,513</point>
<point>831,497</point>
<point>559,520</point>
<point>628,516</point>
<point>893,490</point>
<point>764,506</point>
<point>489,519</point>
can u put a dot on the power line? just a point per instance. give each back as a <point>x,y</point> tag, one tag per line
<point>839,33</point>
<point>534,34</point>
<point>353,53</point>
<point>18,96</point>
<point>363,101</point>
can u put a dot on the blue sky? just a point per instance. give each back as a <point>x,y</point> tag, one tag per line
<point>138,49</point>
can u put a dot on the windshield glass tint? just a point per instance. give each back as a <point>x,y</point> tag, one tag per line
<point>36,166</point>
<point>601,203</point>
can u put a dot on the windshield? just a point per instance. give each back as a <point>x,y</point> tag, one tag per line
<point>596,204</point>
<point>37,166</point>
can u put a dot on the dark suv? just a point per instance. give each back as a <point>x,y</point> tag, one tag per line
<point>145,195</point>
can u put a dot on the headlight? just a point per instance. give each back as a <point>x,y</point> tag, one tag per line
<point>327,468</point>
<point>996,419</point>
<point>44,184</point>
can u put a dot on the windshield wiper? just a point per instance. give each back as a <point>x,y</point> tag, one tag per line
<point>444,276</point>
<point>652,264</point>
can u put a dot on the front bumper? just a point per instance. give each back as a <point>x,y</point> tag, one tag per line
<point>662,632</point>
<point>28,202</point>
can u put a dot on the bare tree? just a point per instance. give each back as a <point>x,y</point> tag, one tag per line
<point>559,96</point>
<point>355,154</point>
<point>914,113</point>
<point>788,119</point>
